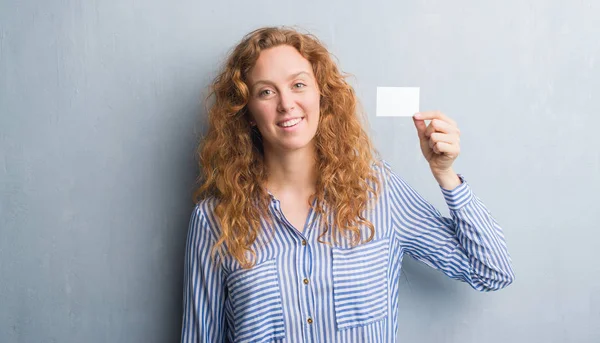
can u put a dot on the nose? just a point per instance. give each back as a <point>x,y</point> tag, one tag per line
<point>286,102</point>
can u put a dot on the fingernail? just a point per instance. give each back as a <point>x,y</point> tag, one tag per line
<point>417,116</point>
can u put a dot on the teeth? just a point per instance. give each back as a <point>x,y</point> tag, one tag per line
<point>290,122</point>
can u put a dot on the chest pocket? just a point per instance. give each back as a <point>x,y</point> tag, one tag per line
<point>360,283</point>
<point>255,297</point>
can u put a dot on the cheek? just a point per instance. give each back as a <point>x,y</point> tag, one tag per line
<point>311,102</point>
<point>316,103</point>
<point>259,110</point>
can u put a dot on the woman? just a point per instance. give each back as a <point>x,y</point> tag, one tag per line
<point>300,231</point>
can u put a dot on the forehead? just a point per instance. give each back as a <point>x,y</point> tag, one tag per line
<point>279,62</point>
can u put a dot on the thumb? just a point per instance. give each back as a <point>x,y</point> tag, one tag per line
<point>421,127</point>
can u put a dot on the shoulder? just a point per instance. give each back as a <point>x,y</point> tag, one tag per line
<point>390,180</point>
<point>382,170</point>
<point>206,206</point>
<point>203,217</point>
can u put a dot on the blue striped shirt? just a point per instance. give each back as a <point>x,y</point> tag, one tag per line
<point>301,290</point>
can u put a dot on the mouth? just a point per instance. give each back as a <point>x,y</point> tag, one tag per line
<point>290,122</point>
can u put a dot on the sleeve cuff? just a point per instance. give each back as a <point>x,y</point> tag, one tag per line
<point>459,196</point>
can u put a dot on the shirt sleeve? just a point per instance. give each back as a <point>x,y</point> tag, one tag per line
<point>203,289</point>
<point>469,246</point>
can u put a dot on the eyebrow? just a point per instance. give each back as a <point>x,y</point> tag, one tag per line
<point>293,76</point>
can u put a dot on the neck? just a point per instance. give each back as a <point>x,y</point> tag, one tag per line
<point>292,172</point>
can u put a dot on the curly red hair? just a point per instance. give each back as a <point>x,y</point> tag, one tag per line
<point>231,154</point>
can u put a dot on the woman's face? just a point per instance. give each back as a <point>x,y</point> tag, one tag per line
<point>284,99</point>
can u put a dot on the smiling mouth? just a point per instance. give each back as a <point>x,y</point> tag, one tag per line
<point>290,123</point>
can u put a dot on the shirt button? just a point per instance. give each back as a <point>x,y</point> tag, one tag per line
<point>305,281</point>
<point>309,321</point>
<point>303,242</point>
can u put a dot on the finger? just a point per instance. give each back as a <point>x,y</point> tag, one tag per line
<point>438,125</point>
<point>444,137</point>
<point>430,115</point>
<point>436,148</point>
<point>451,150</point>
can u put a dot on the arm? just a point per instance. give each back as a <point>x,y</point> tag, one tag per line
<point>203,310</point>
<point>469,246</point>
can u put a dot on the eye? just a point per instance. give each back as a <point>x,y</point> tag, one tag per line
<point>265,92</point>
<point>299,85</point>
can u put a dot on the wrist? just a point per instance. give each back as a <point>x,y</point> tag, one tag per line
<point>447,179</point>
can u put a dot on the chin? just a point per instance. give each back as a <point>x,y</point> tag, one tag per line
<point>294,145</point>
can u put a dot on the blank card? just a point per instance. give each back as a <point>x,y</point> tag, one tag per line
<point>397,101</point>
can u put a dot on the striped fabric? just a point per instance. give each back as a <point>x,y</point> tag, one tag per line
<point>360,283</point>
<point>304,290</point>
<point>256,298</point>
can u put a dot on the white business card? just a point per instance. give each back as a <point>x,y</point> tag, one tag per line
<point>397,101</point>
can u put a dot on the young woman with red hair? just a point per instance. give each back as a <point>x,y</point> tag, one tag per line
<point>300,229</point>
